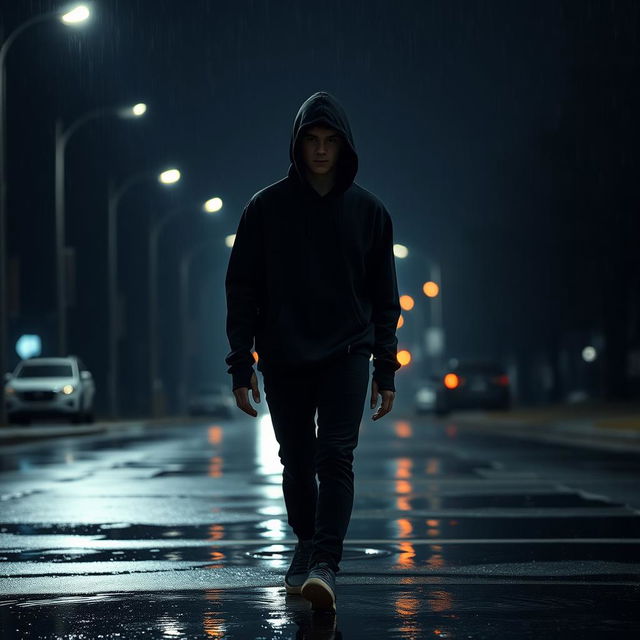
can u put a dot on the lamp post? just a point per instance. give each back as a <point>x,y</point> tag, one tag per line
<point>211,206</point>
<point>171,176</point>
<point>75,16</point>
<point>155,382</point>
<point>115,195</point>
<point>61,138</point>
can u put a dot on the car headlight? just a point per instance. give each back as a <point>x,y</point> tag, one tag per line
<point>68,389</point>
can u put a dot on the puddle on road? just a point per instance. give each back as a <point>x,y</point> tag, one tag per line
<point>401,555</point>
<point>392,526</point>
<point>285,552</point>
<point>408,611</point>
<point>508,501</point>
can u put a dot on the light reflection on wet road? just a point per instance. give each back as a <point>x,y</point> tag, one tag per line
<point>180,532</point>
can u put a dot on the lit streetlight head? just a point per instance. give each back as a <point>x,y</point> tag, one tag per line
<point>76,15</point>
<point>213,205</point>
<point>230,239</point>
<point>134,111</point>
<point>139,109</point>
<point>400,251</point>
<point>170,176</point>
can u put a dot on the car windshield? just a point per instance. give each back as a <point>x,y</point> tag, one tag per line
<point>45,371</point>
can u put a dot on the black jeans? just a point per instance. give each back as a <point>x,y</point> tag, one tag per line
<point>337,390</point>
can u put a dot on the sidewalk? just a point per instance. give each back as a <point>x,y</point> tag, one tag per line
<point>12,435</point>
<point>613,426</point>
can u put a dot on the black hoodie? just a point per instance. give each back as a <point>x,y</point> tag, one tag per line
<point>313,277</point>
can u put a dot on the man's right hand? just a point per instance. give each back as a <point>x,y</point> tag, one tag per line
<point>242,396</point>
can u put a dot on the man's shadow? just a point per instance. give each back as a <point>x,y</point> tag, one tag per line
<point>312,625</point>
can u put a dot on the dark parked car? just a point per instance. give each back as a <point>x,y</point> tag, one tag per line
<point>465,385</point>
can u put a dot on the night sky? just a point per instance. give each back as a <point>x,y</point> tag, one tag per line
<point>500,135</point>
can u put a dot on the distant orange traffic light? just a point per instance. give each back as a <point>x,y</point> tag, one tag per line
<point>431,289</point>
<point>406,302</point>
<point>451,381</point>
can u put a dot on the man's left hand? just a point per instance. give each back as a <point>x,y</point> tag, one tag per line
<point>387,400</point>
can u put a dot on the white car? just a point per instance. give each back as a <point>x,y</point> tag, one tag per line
<point>212,400</point>
<point>46,387</point>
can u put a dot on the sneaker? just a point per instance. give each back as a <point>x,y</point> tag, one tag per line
<point>299,568</point>
<point>320,587</point>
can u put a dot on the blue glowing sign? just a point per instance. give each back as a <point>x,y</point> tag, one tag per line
<point>29,346</point>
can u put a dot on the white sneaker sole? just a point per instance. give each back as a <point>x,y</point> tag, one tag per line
<point>319,594</point>
<point>294,590</point>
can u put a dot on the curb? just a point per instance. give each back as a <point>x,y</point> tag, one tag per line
<point>20,435</point>
<point>583,433</point>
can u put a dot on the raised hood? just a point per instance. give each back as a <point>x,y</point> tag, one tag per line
<point>322,108</point>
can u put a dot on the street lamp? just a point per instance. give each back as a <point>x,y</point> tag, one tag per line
<point>76,15</point>
<point>115,194</point>
<point>61,138</point>
<point>82,12</point>
<point>170,176</point>
<point>139,109</point>
<point>212,205</point>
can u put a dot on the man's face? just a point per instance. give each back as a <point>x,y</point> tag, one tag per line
<point>320,149</point>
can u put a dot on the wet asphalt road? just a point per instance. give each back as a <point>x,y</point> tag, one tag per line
<point>180,532</point>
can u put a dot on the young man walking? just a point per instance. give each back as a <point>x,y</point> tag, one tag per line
<point>312,279</point>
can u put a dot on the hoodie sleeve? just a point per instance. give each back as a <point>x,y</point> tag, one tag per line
<point>241,284</point>
<point>386,306</point>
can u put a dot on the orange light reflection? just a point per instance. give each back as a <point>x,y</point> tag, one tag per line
<point>407,607</point>
<point>404,468</point>
<point>403,429</point>
<point>405,528</point>
<point>215,467</point>
<point>403,486</point>
<point>214,625</point>
<point>406,559</point>
<point>433,467</point>
<point>215,434</point>
<point>440,601</point>
<point>217,556</point>
<point>436,561</point>
<point>216,532</point>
